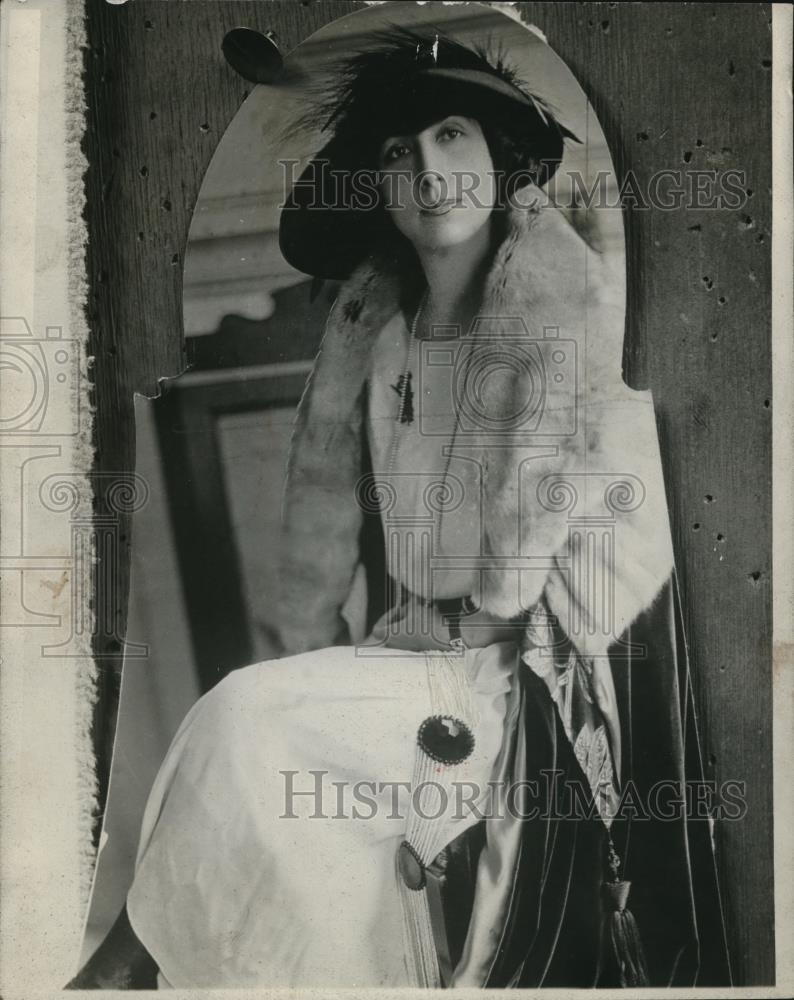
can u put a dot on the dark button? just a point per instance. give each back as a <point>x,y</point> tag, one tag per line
<point>445,739</point>
<point>411,868</point>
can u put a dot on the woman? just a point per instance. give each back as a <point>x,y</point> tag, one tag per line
<point>441,804</point>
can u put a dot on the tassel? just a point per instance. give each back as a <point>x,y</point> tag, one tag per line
<point>620,929</point>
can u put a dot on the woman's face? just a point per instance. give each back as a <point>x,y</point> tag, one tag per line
<point>438,185</point>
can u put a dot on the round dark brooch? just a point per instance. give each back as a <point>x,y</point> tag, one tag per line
<point>445,739</point>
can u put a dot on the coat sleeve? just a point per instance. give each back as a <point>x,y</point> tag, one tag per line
<point>322,517</point>
<point>321,521</point>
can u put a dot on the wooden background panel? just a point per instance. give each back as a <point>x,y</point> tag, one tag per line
<point>690,89</point>
<point>675,87</point>
<point>160,96</point>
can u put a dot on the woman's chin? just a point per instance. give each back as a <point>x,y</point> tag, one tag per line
<point>444,231</point>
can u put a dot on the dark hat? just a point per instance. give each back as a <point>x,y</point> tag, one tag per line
<point>331,218</point>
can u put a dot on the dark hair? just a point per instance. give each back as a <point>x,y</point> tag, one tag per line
<point>514,161</point>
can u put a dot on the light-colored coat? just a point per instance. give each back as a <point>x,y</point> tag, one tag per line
<point>574,510</point>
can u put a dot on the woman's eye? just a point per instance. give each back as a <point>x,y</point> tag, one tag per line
<point>395,152</point>
<point>451,132</point>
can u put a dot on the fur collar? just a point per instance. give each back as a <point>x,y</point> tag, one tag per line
<point>574,506</point>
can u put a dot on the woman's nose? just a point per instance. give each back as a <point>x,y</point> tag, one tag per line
<point>432,187</point>
<point>430,175</point>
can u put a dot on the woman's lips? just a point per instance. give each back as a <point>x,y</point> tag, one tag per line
<point>443,208</point>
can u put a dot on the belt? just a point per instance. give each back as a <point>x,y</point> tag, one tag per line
<point>452,610</point>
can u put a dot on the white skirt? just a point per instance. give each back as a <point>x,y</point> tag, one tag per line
<point>267,853</point>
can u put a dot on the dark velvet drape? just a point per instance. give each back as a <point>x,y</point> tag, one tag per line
<point>552,935</point>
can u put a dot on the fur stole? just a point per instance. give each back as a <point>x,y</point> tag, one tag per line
<point>573,499</point>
